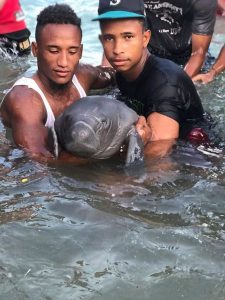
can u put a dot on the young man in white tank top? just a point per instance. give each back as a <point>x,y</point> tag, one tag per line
<point>32,104</point>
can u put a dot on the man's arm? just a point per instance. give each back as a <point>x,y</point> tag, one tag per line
<point>204,17</point>
<point>200,45</point>
<point>158,133</point>
<point>23,113</point>
<point>95,77</point>
<point>217,68</point>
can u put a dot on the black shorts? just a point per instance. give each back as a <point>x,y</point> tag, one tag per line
<point>16,43</point>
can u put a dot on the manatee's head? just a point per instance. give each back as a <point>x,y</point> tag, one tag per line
<point>87,127</point>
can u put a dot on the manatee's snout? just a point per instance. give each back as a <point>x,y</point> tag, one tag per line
<point>83,140</point>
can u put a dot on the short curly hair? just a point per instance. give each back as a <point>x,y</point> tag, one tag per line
<point>57,14</point>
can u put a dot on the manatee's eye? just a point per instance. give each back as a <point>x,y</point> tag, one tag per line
<point>104,122</point>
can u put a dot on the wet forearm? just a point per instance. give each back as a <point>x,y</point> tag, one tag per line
<point>217,68</point>
<point>34,141</point>
<point>194,64</point>
<point>200,45</point>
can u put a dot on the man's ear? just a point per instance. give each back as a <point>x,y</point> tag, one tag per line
<point>146,37</point>
<point>34,49</point>
<point>81,50</point>
<point>100,38</point>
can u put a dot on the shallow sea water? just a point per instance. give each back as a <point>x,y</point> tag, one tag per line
<point>102,231</point>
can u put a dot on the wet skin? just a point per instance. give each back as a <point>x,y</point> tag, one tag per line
<point>59,50</point>
<point>125,45</point>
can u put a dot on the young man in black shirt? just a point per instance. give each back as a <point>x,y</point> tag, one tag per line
<point>157,89</point>
<point>181,30</point>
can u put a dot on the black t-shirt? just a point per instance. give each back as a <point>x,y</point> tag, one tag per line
<point>165,88</point>
<point>172,23</point>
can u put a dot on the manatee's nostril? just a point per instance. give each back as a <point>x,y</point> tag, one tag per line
<point>82,139</point>
<point>80,135</point>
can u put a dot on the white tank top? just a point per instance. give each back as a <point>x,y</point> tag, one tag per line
<point>30,83</point>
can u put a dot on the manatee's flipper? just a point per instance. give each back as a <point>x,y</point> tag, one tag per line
<point>53,142</point>
<point>135,151</point>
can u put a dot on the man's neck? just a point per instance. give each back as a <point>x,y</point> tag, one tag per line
<point>134,72</point>
<point>56,91</point>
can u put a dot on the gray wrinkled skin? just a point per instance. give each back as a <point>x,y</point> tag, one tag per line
<point>97,126</point>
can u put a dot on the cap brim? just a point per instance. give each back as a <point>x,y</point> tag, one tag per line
<point>119,14</point>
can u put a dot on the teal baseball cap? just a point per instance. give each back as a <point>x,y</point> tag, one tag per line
<point>120,9</point>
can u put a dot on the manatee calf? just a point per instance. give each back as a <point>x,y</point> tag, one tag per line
<point>97,127</point>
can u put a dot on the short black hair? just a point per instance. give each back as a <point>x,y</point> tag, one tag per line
<point>57,14</point>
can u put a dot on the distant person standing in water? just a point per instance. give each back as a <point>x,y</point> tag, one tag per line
<point>14,34</point>
<point>181,30</point>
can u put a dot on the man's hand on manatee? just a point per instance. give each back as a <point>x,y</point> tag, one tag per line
<point>143,130</point>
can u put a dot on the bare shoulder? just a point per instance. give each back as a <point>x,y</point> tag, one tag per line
<point>86,69</point>
<point>86,73</point>
<point>95,77</point>
<point>21,103</point>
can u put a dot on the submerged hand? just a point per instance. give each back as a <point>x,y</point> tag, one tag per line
<point>205,78</point>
